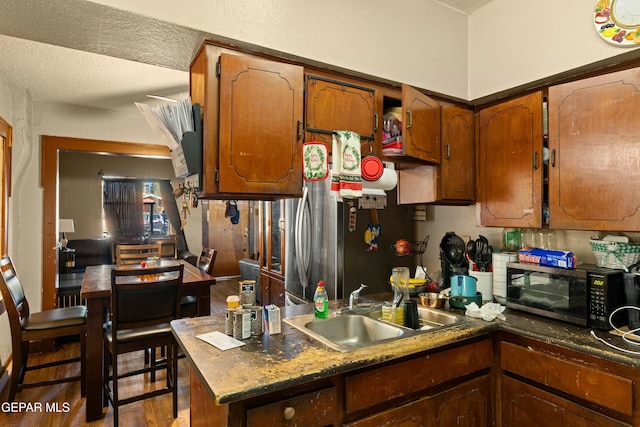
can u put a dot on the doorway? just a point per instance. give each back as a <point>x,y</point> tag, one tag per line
<point>51,146</point>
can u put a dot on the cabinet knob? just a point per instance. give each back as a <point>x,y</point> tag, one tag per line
<point>289,413</point>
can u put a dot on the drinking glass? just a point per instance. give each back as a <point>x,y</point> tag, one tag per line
<point>401,282</point>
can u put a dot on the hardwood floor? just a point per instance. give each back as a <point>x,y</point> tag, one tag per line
<point>156,411</point>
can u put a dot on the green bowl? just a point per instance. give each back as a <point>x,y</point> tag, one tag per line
<point>460,301</point>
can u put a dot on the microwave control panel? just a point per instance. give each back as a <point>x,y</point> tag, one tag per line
<point>606,293</point>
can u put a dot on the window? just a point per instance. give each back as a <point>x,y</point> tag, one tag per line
<point>155,216</point>
<point>133,207</point>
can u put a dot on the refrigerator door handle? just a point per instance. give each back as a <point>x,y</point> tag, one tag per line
<point>300,253</point>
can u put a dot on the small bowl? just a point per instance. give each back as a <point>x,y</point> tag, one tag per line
<point>432,299</point>
<point>461,301</point>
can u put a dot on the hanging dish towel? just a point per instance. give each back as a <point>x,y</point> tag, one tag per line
<point>346,176</point>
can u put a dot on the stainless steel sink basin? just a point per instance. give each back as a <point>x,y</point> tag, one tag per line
<point>350,331</point>
<point>433,318</point>
<point>346,332</point>
<point>430,317</point>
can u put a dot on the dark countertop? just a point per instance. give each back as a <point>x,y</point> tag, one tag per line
<point>273,362</point>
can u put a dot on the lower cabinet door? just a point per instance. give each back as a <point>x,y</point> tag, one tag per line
<point>468,404</point>
<point>526,406</point>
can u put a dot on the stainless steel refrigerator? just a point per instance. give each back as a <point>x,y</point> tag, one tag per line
<point>319,245</point>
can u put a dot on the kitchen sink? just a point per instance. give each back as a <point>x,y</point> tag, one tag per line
<point>346,332</point>
<point>432,318</point>
<point>349,330</point>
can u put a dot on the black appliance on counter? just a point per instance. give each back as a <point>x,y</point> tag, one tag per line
<point>585,296</point>
<point>452,258</point>
<point>632,293</point>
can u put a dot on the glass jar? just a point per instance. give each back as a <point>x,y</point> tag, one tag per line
<point>527,238</point>
<point>510,239</point>
<point>545,239</point>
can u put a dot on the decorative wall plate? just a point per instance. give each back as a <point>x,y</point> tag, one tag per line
<point>618,21</point>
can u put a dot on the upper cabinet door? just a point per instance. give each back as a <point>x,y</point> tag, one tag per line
<point>420,126</point>
<point>338,105</point>
<point>260,128</point>
<point>457,171</point>
<point>594,143</point>
<point>510,166</point>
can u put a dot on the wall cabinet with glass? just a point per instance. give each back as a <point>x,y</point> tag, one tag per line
<point>272,253</point>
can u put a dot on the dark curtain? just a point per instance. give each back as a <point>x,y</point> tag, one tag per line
<point>171,208</point>
<point>123,207</point>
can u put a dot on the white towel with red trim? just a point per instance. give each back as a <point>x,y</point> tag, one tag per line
<point>346,177</point>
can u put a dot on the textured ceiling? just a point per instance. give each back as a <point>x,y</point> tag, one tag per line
<point>83,53</point>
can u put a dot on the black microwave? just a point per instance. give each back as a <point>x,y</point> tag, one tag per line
<point>585,296</point>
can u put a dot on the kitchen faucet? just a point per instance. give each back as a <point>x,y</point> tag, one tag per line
<point>353,298</point>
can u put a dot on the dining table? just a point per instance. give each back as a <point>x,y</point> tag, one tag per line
<point>96,292</point>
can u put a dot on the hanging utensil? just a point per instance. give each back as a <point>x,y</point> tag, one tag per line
<point>471,250</point>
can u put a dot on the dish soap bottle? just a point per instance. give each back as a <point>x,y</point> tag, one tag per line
<point>321,302</point>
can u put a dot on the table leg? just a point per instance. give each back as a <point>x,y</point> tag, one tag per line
<point>95,319</point>
<point>203,304</point>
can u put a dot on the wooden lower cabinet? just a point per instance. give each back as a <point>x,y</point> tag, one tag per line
<point>468,404</point>
<point>271,289</point>
<point>318,408</point>
<point>526,406</point>
<point>546,385</point>
<point>452,387</point>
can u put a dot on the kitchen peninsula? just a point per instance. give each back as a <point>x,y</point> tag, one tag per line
<point>474,373</point>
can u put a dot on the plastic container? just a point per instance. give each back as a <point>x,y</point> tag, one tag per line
<point>321,302</point>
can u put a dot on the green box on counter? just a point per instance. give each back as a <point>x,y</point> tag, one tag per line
<point>548,257</point>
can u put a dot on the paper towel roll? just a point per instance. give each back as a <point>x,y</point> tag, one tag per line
<point>386,182</point>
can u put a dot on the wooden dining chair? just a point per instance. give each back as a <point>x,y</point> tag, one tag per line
<point>143,302</point>
<point>207,260</point>
<point>205,263</point>
<point>48,324</point>
<point>135,254</point>
<point>168,246</point>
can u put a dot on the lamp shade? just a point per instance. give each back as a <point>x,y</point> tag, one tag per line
<point>65,226</point>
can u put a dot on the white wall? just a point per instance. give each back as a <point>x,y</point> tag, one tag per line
<point>418,42</point>
<point>514,42</point>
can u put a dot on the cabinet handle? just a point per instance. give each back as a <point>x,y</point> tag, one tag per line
<point>375,122</point>
<point>448,156</point>
<point>410,114</point>
<point>289,413</point>
<point>535,160</point>
<point>553,158</point>
<point>299,130</point>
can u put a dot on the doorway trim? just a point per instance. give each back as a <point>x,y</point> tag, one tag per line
<point>51,146</point>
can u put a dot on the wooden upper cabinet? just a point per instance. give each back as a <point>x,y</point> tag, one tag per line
<point>421,126</point>
<point>457,171</point>
<point>333,104</point>
<point>510,166</point>
<point>595,153</point>
<point>253,111</point>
